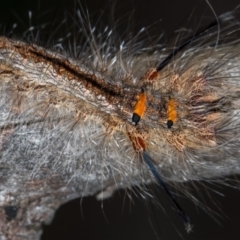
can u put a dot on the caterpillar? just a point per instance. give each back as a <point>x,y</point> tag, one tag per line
<point>74,125</point>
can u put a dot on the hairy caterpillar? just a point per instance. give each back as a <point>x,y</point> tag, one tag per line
<point>36,112</point>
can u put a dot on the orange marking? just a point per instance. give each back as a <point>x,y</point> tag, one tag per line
<point>151,75</point>
<point>140,106</point>
<point>137,142</point>
<point>171,111</point>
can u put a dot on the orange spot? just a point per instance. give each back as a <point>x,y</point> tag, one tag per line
<point>151,75</point>
<point>171,111</point>
<point>140,106</point>
<point>137,142</point>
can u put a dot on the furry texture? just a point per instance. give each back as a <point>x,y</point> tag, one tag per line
<point>72,117</point>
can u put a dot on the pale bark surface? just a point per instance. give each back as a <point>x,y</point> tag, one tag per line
<point>34,175</point>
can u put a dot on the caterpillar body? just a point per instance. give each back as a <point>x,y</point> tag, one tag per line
<point>108,119</point>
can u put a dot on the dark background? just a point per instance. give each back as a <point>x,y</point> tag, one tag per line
<point>118,217</point>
